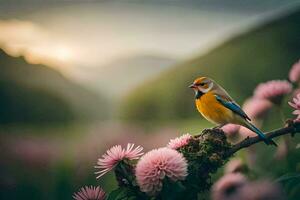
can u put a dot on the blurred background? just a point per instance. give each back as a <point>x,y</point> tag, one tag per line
<point>77,77</point>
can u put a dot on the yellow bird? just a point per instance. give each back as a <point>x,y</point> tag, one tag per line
<point>215,105</point>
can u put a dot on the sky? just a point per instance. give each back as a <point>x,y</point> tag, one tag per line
<point>71,34</point>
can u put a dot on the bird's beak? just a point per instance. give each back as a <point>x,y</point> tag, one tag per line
<point>192,86</point>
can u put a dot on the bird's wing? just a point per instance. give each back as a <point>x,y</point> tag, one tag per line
<point>231,105</point>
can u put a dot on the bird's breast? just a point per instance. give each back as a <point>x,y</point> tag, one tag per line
<point>212,110</point>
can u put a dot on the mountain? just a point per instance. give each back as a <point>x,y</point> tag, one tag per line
<point>36,93</point>
<point>125,73</point>
<point>263,53</point>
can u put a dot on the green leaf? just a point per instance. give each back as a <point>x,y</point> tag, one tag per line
<point>172,190</point>
<point>124,193</point>
<point>287,177</point>
<point>291,185</point>
<point>117,194</point>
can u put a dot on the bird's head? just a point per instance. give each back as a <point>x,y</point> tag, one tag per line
<point>202,85</point>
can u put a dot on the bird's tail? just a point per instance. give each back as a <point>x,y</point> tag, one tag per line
<point>253,128</point>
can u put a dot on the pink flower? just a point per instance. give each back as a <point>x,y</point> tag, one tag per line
<point>246,132</point>
<point>294,74</point>
<point>296,92</point>
<point>296,105</point>
<point>234,166</point>
<point>273,90</point>
<point>157,164</point>
<point>260,190</point>
<point>227,184</point>
<point>236,187</point>
<point>116,154</point>
<point>256,107</point>
<point>179,141</point>
<point>231,129</point>
<point>90,193</point>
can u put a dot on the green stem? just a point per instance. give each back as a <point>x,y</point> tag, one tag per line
<point>282,117</point>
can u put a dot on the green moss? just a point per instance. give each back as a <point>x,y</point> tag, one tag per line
<point>205,155</point>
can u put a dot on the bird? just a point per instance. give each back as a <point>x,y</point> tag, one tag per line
<point>216,105</point>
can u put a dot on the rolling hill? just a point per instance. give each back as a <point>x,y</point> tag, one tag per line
<point>123,74</point>
<point>239,64</point>
<point>36,93</point>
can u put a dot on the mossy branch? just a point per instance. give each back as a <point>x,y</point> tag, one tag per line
<point>291,128</point>
<point>205,154</point>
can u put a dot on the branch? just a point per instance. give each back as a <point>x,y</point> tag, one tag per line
<point>291,128</point>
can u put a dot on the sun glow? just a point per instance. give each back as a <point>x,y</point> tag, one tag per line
<point>35,44</point>
<point>63,54</point>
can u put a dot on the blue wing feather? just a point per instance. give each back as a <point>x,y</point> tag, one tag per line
<point>237,109</point>
<point>233,107</point>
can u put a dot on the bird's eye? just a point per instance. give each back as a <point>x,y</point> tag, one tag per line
<point>202,84</point>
